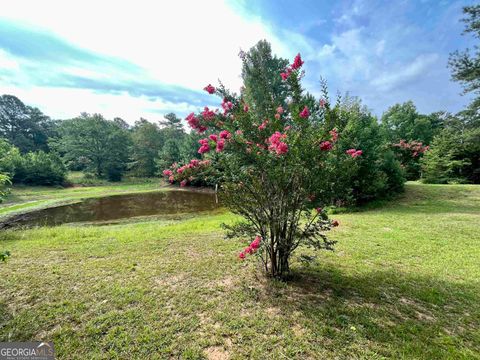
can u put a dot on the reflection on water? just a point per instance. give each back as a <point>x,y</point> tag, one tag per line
<point>121,207</point>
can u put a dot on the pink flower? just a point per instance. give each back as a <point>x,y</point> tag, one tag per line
<point>194,162</point>
<point>183,183</point>
<point>213,137</point>
<point>277,116</point>
<point>281,148</point>
<point>224,134</point>
<point>354,153</point>
<point>255,244</point>
<point>226,105</point>
<point>167,172</point>
<point>276,137</point>
<point>334,134</point>
<point>192,121</point>
<point>326,146</point>
<point>322,103</point>
<point>171,179</point>
<point>319,210</point>
<point>205,147</point>
<point>239,132</point>
<point>245,108</point>
<point>287,128</point>
<point>208,114</point>
<point>297,62</point>
<point>305,113</point>
<point>249,250</point>
<point>209,88</point>
<point>280,110</point>
<point>287,73</point>
<point>220,145</point>
<point>284,76</point>
<point>263,125</point>
<point>180,170</point>
<point>241,255</point>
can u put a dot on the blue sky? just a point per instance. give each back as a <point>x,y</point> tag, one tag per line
<point>144,58</point>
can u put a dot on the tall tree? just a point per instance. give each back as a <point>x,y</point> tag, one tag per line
<point>403,122</point>
<point>465,64</point>
<point>25,127</point>
<point>147,141</point>
<point>104,145</point>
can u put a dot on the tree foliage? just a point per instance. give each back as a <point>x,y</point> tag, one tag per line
<point>103,144</point>
<point>25,127</point>
<point>465,65</point>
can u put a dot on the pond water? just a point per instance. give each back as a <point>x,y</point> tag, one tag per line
<point>116,207</point>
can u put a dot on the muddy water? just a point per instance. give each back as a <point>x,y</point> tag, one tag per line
<point>120,207</point>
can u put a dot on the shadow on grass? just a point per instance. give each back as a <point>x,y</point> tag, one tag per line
<point>402,315</point>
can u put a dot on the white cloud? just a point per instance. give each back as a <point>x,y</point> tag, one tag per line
<point>8,62</point>
<point>183,43</point>
<point>187,43</point>
<point>402,74</point>
<point>69,103</point>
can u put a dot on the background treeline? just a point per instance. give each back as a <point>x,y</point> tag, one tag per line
<point>402,144</point>
<point>37,150</point>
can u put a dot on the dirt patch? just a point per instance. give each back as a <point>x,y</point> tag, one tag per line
<point>216,353</point>
<point>273,311</point>
<point>171,281</point>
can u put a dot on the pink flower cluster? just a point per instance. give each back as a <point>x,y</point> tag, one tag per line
<point>416,147</point>
<point>250,249</point>
<point>193,164</point>
<point>276,144</point>
<point>194,123</point>
<point>219,140</point>
<point>297,64</point>
<point>205,146</point>
<point>263,125</point>
<point>227,106</point>
<point>305,113</point>
<point>334,135</point>
<point>354,153</point>
<point>326,146</point>
<point>209,88</point>
<point>208,114</point>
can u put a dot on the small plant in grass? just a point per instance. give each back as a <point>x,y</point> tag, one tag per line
<point>272,146</point>
<point>4,255</point>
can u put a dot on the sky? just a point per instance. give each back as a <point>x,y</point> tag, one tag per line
<point>133,59</point>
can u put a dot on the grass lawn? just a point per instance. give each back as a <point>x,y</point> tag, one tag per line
<point>403,283</point>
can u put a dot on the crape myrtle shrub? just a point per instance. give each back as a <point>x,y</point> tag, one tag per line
<point>279,159</point>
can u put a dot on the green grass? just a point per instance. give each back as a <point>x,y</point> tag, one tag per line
<point>403,283</point>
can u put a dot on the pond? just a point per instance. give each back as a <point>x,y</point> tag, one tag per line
<point>117,207</point>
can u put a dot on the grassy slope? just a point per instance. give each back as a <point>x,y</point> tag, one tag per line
<point>403,283</point>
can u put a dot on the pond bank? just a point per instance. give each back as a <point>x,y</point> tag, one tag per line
<point>25,199</point>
